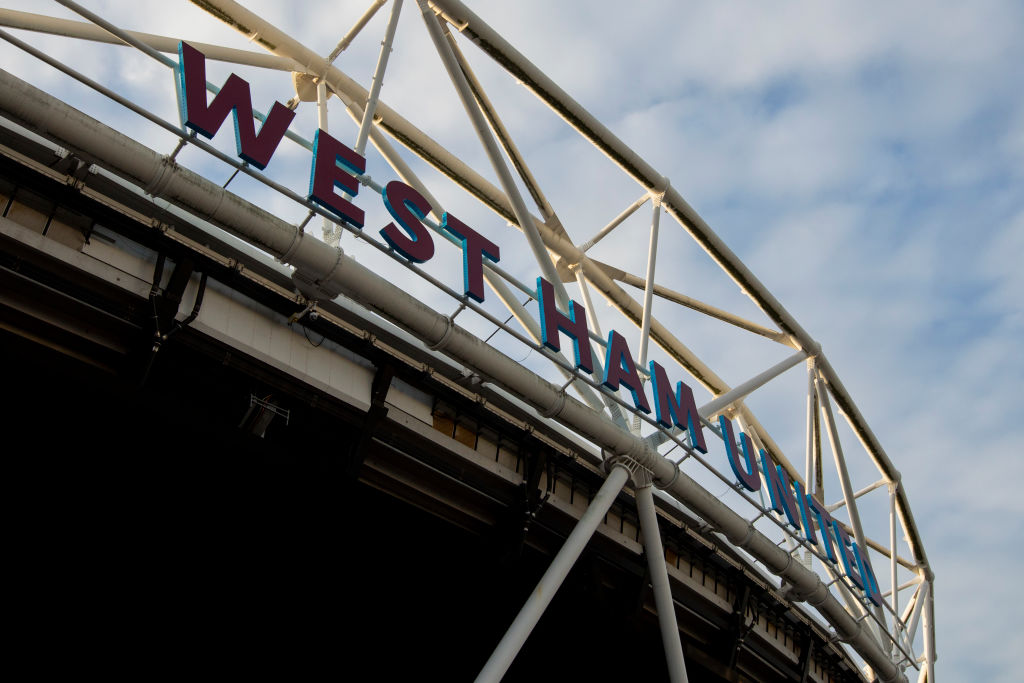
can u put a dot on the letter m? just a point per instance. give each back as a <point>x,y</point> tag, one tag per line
<point>233,98</point>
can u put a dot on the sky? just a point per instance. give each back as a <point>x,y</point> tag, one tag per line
<point>865,160</point>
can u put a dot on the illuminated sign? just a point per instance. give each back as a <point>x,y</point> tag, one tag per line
<point>332,173</point>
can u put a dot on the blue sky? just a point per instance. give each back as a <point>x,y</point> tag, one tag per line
<point>866,160</point>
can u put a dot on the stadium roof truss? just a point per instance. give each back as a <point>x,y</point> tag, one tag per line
<point>884,637</point>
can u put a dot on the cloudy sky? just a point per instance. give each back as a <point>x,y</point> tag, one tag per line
<point>865,160</point>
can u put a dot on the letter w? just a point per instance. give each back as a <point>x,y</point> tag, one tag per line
<point>234,97</point>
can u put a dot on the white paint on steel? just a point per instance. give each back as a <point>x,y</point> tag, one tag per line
<point>652,259</point>
<point>659,581</point>
<point>513,640</point>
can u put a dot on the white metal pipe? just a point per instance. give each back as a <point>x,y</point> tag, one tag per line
<point>354,31</point>
<point>378,78</point>
<point>867,489</point>
<point>847,487</point>
<point>86,31</point>
<point>817,487</point>
<point>892,559</point>
<point>720,403</point>
<point>476,117</point>
<point>915,615</point>
<point>334,272</point>
<point>329,234</point>
<point>659,581</point>
<point>603,232</point>
<point>531,612</point>
<point>929,632</point>
<point>437,33</point>
<point>699,306</point>
<point>909,584</point>
<point>740,391</point>
<point>580,119</point>
<point>652,257</point>
<point>812,408</point>
<point>908,610</point>
<point>533,187</point>
<point>581,280</point>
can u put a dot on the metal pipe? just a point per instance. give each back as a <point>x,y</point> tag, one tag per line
<point>581,280</point>
<point>892,559</point>
<point>908,610</point>
<point>330,268</point>
<point>476,117</point>
<point>915,615</point>
<point>867,489</point>
<point>812,408</point>
<point>378,78</point>
<point>603,232</point>
<point>929,632</point>
<point>437,34</point>
<point>85,31</point>
<point>547,212</point>
<point>817,486</point>
<point>913,582</point>
<point>531,612</point>
<point>659,582</point>
<point>699,306</point>
<point>730,397</point>
<point>354,31</point>
<point>330,235</point>
<point>739,392</point>
<point>844,483</point>
<point>652,256</point>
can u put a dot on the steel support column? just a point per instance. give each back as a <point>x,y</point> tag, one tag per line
<point>659,579</point>
<point>513,640</point>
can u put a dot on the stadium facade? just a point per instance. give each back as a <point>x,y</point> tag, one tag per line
<point>245,442</point>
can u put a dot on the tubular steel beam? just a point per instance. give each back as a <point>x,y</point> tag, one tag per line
<point>652,257</point>
<point>616,222</point>
<point>844,482</point>
<point>378,78</point>
<point>730,397</point>
<point>699,306</point>
<point>892,559</point>
<point>86,31</point>
<point>929,632</point>
<point>659,580</point>
<point>531,612</point>
<point>505,139</point>
<point>742,390</point>
<point>864,491</point>
<point>354,31</point>
<point>522,214</point>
